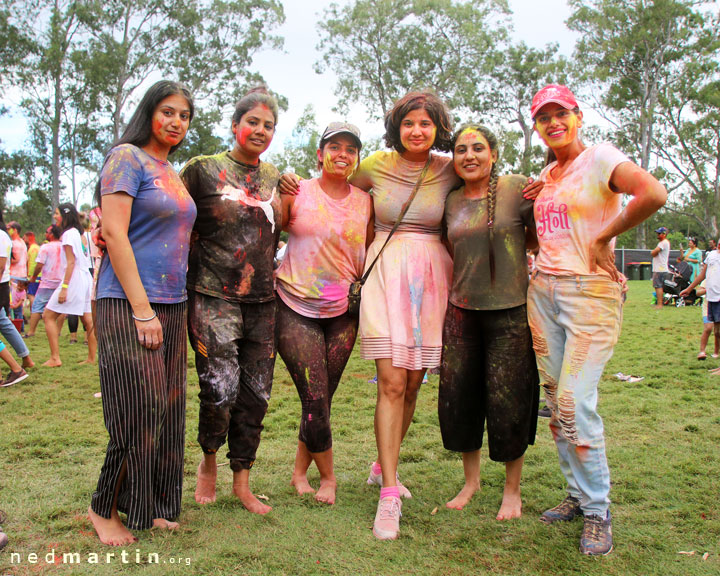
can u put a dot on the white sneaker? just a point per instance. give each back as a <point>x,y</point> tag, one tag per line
<point>377,480</point>
<point>387,518</point>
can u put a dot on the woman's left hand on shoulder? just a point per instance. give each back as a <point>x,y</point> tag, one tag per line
<point>533,188</point>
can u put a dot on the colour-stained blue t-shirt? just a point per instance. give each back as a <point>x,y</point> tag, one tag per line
<point>161,221</point>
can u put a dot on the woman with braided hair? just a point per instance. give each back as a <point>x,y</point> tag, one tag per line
<point>488,370</point>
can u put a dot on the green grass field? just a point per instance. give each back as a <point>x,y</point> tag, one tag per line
<point>662,435</point>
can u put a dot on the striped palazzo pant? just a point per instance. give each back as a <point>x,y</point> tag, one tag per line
<point>143,396</point>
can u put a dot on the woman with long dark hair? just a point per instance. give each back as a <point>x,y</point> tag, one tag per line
<point>72,297</point>
<point>575,297</point>
<point>141,319</point>
<point>488,372</point>
<point>231,319</point>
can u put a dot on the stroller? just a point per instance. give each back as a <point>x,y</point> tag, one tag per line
<point>679,280</point>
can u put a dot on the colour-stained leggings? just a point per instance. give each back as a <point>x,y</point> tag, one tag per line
<point>143,397</point>
<point>315,351</point>
<point>575,323</point>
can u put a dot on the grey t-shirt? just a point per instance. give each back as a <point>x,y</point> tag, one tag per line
<point>466,224</point>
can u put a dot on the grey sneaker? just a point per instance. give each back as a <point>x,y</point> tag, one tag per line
<point>14,377</point>
<point>596,539</point>
<point>563,512</point>
<point>544,412</point>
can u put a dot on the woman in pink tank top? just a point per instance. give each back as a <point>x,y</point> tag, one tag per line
<point>330,223</point>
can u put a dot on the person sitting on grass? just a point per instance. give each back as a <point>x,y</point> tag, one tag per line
<point>710,273</point>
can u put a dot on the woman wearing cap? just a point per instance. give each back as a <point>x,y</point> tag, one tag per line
<point>315,334</point>
<point>692,256</point>
<point>231,302</point>
<point>405,296</point>
<point>574,299</point>
<point>488,370</point>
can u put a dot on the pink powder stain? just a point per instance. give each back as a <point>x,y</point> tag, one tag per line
<point>244,133</point>
<point>334,292</point>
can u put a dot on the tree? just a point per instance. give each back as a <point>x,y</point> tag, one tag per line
<point>628,54</point>
<point>90,58</point>
<point>300,152</point>
<point>512,83</point>
<point>690,132</point>
<point>380,49</point>
<point>42,76</point>
<point>207,44</point>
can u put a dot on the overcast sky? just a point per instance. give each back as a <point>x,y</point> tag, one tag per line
<point>291,72</point>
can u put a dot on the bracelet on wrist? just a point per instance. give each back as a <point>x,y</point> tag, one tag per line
<point>154,315</point>
<point>63,285</point>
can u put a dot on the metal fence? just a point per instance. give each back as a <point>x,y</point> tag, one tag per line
<point>636,264</point>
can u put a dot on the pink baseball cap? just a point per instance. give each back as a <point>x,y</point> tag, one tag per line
<point>555,93</point>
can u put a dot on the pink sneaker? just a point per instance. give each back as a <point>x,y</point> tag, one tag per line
<point>376,479</point>
<point>387,519</point>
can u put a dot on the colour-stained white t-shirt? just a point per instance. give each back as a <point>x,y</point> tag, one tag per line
<point>712,276</point>
<point>6,251</point>
<point>572,211</point>
<point>660,262</point>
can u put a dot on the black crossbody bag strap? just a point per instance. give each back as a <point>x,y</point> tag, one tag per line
<point>404,210</point>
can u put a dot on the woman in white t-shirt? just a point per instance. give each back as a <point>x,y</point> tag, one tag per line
<point>574,299</point>
<point>73,294</point>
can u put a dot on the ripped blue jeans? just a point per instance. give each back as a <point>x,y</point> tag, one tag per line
<point>575,323</point>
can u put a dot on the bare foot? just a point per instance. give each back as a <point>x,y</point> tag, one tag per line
<point>326,493</point>
<point>511,507</point>
<point>87,361</point>
<point>27,362</point>
<point>248,500</point>
<point>163,524</point>
<point>302,486</point>
<point>463,497</point>
<point>111,531</point>
<point>52,363</point>
<point>715,371</point>
<point>206,481</point>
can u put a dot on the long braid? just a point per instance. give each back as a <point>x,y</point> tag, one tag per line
<point>491,204</point>
<point>492,194</point>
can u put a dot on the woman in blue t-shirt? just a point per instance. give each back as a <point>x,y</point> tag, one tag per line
<point>148,216</point>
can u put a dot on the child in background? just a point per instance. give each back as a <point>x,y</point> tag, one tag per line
<point>18,293</point>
